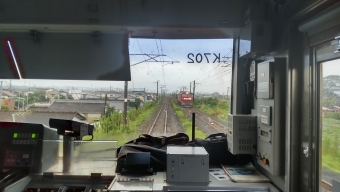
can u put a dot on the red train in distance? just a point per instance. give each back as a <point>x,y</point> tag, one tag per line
<point>185,99</point>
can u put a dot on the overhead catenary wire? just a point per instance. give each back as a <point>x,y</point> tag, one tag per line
<point>229,52</point>
<point>221,75</point>
<point>161,61</point>
<point>140,48</point>
<point>213,84</point>
<point>141,75</point>
<point>208,71</point>
<point>206,78</point>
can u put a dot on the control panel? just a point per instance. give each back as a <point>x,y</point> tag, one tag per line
<point>271,94</point>
<point>22,146</point>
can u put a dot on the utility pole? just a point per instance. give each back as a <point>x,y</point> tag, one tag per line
<point>157,90</point>
<point>193,94</point>
<point>19,102</point>
<point>125,101</point>
<point>190,86</point>
<point>161,90</point>
<point>228,93</point>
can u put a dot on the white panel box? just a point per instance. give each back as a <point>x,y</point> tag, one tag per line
<point>241,134</point>
<point>187,164</point>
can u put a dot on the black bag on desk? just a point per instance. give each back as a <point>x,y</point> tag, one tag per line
<point>154,145</point>
<point>217,147</point>
<point>159,142</point>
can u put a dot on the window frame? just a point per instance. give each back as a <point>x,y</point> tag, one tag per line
<point>322,53</point>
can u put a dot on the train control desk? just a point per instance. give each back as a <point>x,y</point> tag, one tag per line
<point>91,168</point>
<point>158,183</point>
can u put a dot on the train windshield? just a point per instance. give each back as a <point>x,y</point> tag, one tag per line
<point>161,69</point>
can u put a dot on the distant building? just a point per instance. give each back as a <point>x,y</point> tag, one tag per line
<point>51,94</point>
<point>39,107</point>
<point>10,103</point>
<point>326,110</point>
<point>215,95</point>
<point>8,99</point>
<point>8,94</point>
<point>76,94</point>
<point>337,109</point>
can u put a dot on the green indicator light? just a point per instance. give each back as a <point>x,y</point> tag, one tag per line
<point>33,135</point>
<point>15,135</point>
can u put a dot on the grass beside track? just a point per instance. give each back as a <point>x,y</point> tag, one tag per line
<point>186,122</point>
<point>214,107</point>
<point>331,144</point>
<point>112,127</point>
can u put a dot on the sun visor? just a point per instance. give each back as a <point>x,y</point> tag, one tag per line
<point>65,56</point>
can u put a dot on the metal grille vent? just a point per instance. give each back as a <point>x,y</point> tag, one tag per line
<point>244,144</point>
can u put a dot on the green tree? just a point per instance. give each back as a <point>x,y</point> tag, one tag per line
<point>62,97</point>
<point>113,122</point>
<point>109,110</point>
<point>18,103</point>
<point>37,96</point>
<point>135,104</point>
<point>329,101</point>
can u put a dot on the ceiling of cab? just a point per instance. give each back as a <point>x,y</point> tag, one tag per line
<point>67,48</point>
<point>145,18</point>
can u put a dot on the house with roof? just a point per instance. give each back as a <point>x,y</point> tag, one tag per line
<point>39,117</point>
<point>92,111</point>
<point>8,99</point>
<point>7,94</point>
<point>42,106</point>
<point>51,94</point>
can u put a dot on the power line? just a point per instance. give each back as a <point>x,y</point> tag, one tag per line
<point>208,71</point>
<point>160,42</point>
<point>141,74</point>
<point>215,74</point>
<point>213,84</point>
<point>207,77</point>
<point>227,72</point>
<point>162,62</point>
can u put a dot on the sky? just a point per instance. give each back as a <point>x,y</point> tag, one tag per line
<point>331,68</point>
<point>172,70</point>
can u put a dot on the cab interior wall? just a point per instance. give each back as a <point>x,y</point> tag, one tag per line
<point>169,19</point>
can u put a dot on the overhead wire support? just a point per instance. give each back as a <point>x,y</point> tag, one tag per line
<point>152,58</point>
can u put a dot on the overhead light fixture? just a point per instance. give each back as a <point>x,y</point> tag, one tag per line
<point>15,61</point>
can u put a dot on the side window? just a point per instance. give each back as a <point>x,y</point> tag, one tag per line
<point>330,121</point>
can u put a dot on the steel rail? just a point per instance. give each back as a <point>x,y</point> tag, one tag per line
<point>154,123</point>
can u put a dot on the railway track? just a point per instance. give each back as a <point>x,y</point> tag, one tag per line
<point>326,187</point>
<point>207,124</point>
<point>159,119</point>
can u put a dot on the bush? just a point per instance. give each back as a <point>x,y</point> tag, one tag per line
<point>213,106</point>
<point>113,121</point>
<point>333,115</point>
<point>4,108</point>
